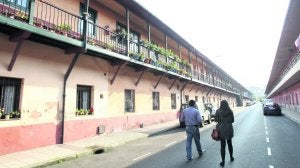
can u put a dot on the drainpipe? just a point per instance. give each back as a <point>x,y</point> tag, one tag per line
<point>66,76</point>
<point>85,25</point>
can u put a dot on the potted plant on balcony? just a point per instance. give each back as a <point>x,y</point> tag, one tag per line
<point>22,16</point>
<point>63,29</point>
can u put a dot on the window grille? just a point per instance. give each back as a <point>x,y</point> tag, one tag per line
<point>83,97</point>
<point>155,99</point>
<point>9,94</point>
<point>129,100</point>
<point>173,101</point>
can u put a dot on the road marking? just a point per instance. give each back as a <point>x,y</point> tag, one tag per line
<point>267,139</point>
<point>266,132</point>
<point>269,151</point>
<point>141,156</point>
<point>170,143</point>
<point>266,127</point>
<point>271,166</point>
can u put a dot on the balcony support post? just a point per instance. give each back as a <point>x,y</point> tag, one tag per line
<point>173,83</point>
<point>120,65</point>
<point>31,11</point>
<point>209,91</point>
<point>184,86</point>
<point>142,73</point>
<point>19,38</point>
<point>85,24</point>
<point>193,86</point>
<point>149,37</point>
<point>159,80</point>
<point>128,31</point>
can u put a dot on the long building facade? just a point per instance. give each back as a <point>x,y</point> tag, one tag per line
<point>74,69</point>
<point>283,85</point>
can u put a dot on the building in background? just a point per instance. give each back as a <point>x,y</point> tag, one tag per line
<point>74,69</point>
<point>284,85</point>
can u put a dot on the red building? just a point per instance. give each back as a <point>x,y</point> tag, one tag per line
<point>283,85</point>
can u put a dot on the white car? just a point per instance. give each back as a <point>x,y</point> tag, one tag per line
<point>204,112</point>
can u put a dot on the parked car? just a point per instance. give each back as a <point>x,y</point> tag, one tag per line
<point>205,113</point>
<point>211,108</point>
<point>269,107</point>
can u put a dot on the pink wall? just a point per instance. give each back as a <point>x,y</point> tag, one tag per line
<point>79,129</point>
<point>27,137</point>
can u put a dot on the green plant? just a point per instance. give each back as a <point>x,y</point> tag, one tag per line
<point>109,46</point>
<point>64,27</point>
<point>21,16</point>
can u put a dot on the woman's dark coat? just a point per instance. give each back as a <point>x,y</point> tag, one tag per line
<point>224,126</point>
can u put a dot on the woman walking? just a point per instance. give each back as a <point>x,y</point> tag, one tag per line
<point>224,118</point>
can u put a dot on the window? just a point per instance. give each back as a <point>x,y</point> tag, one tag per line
<point>22,4</point>
<point>91,19</point>
<point>203,99</point>
<point>196,98</point>
<point>129,100</point>
<point>155,99</point>
<point>173,101</point>
<point>9,95</point>
<point>187,99</point>
<point>83,97</point>
<point>122,38</point>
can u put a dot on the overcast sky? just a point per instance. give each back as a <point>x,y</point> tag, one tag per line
<point>240,36</point>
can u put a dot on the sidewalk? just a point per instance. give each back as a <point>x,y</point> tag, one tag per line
<point>292,115</point>
<point>49,155</point>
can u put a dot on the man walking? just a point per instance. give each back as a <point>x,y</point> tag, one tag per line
<point>192,118</point>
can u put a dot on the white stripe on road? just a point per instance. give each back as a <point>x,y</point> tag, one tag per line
<point>266,132</point>
<point>141,156</point>
<point>271,166</point>
<point>170,143</point>
<point>269,151</point>
<point>267,139</point>
<point>266,127</point>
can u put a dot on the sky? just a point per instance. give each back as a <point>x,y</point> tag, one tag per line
<point>240,36</point>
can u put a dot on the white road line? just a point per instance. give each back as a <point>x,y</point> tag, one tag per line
<point>170,143</point>
<point>269,151</point>
<point>266,127</point>
<point>266,132</point>
<point>141,156</point>
<point>271,166</point>
<point>267,139</point>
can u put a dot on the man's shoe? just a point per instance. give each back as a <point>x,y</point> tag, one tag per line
<point>231,159</point>
<point>189,159</point>
<point>202,151</point>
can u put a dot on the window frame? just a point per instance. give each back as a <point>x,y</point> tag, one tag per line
<point>155,99</point>
<point>131,97</point>
<point>92,18</point>
<point>173,101</point>
<point>16,83</point>
<point>79,105</point>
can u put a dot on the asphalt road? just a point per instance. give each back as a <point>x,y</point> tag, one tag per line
<point>259,142</point>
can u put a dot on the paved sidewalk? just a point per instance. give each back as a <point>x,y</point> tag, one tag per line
<point>49,155</point>
<point>291,114</point>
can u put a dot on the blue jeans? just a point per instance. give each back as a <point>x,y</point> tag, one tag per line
<point>192,132</point>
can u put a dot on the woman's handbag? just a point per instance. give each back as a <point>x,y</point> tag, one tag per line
<point>215,134</point>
